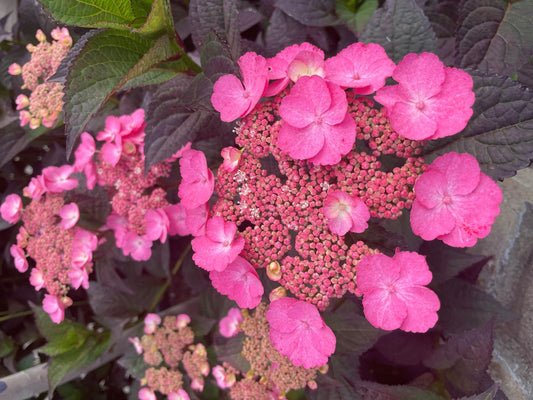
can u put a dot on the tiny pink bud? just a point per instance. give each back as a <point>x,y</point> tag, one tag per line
<point>14,69</point>
<point>35,123</point>
<point>231,157</point>
<point>40,36</point>
<point>151,321</point>
<point>182,321</point>
<point>146,394</point>
<point>22,101</point>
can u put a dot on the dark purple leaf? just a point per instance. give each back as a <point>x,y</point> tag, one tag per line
<point>525,74</point>
<point>283,31</point>
<point>377,391</point>
<point>488,394</point>
<point>401,28</point>
<point>331,389</point>
<point>494,36</point>
<point>443,18</point>
<point>248,17</point>
<point>310,12</point>
<point>230,352</point>
<point>405,348</point>
<point>500,132</point>
<point>464,358</point>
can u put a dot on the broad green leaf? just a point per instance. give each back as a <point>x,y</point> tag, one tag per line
<point>76,359</point>
<point>70,340</point>
<point>356,16</point>
<point>401,27</point>
<point>6,345</point>
<point>159,20</point>
<point>495,36</point>
<point>117,14</point>
<point>103,65</point>
<point>500,132</point>
<point>53,332</point>
<point>310,12</point>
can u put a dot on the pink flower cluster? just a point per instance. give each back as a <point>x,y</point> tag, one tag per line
<point>46,99</point>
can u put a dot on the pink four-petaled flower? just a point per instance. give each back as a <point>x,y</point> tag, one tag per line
<point>345,213</point>
<point>198,182</point>
<point>11,208</point>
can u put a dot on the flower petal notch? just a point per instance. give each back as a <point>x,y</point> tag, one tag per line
<point>298,331</point>
<point>316,124</point>
<point>240,282</point>
<point>394,292</point>
<point>363,67</point>
<point>219,247</point>
<point>455,202</point>
<point>430,101</point>
<point>235,99</point>
<point>345,213</point>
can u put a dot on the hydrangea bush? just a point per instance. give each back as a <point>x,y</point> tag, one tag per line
<point>245,210</point>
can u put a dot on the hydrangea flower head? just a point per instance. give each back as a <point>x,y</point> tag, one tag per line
<point>430,101</point>
<point>235,99</point>
<point>363,67</point>
<point>316,124</point>
<point>394,292</point>
<point>298,331</point>
<point>240,282</point>
<point>197,182</point>
<point>218,247</point>
<point>345,213</point>
<point>460,201</point>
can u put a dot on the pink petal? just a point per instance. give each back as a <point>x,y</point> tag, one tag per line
<point>431,223</point>
<point>422,75</point>
<point>198,182</point>
<point>411,122</point>
<point>229,325</point>
<point>21,264</point>
<point>85,151</point>
<point>57,179</point>
<point>431,187</point>
<point>422,306</point>
<point>11,208</point>
<point>384,309</point>
<point>462,172</point>
<point>301,144</point>
<point>157,225</point>
<point>373,270</point>
<point>414,269</point>
<point>69,214</point>
<point>338,141</point>
<point>111,153</point>
<point>306,63</point>
<point>229,98</point>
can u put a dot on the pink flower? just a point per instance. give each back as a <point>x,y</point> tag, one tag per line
<point>229,325</point>
<point>21,264</point>
<point>35,188</point>
<point>345,213</point>
<point>119,225</point>
<point>151,322</point>
<point>37,278</point>
<point>54,307</point>
<point>182,320</point>
<point>224,380</point>
<point>198,182</point>
<point>176,215</point>
<point>179,395</point>
<point>111,153</point>
<point>455,202</point>
<point>231,157</point>
<point>111,132</point>
<point>139,247</point>
<point>136,342</point>
<point>11,208</point>
<point>85,152</point>
<point>80,256</point>
<point>85,239</point>
<point>22,101</point>
<point>292,63</point>
<point>394,295</point>
<point>316,124</point>
<point>133,127</point>
<point>235,99</point>
<point>57,179</point>
<point>431,101</point>
<point>363,67</point>
<point>78,277</point>
<point>218,247</point>
<point>70,213</point>
<point>240,282</point>
<point>14,69</point>
<point>157,225</point>
<point>187,222</point>
<point>298,331</point>
<point>146,394</point>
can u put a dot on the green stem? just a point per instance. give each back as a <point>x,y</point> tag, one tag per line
<point>16,315</point>
<point>167,283</point>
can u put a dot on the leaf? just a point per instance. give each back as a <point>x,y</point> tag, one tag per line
<point>71,340</point>
<point>525,74</point>
<point>401,28</point>
<point>75,359</point>
<point>353,332</point>
<point>159,20</point>
<point>133,363</point>
<point>488,394</point>
<point>310,12</point>
<point>463,306</point>
<point>358,18</point>
<point>495,36</point>
<point>215,16</point>
<point>464,358</point>
<point>331,389</point>
<point>377,391</point>
<point>15,139</point>
<point>442,15</point>
<point>53,332</point>
<point>105,63</point>
<point>117,14</point>
<point>283,31</point>
<point>405,348</point>
<point>230,352</point>
<point>500,132</point>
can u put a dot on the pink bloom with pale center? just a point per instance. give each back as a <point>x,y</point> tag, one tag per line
<point>198,182</point>
<point>57,179</point>
<point>240,282</point>
<point>54,307</point>
<point>224,380</point>
<point>394,292</point>
<point>229,325</point>
<point>345,213</point>
<point>218,247</point>
<point>298,331</point>
<point>184,221</point>
<point>139,247</point>
<point>11,208</point>
<point>146,394</point>
<point>182,320</point>
<point>157,225</point>
<point>179,395</point>
<point>235,99</point>
<point>78,277</point>
<point>85,152</point>
<point>37,278</point>
<point>316,124</point>
<point>151,322</point>
<point>85,239</point>
<point>70,214</point>
<point>35,189</point>
<point>363,67</point>
<point>231,157</point>
<point>291,63</point>
<point>21,264</point>
<point>455,202</point>
<point>430,101</point>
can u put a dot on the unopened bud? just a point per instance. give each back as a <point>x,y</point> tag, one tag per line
<point>312,384</point>
<point>14,69</point>
<point>277,293</point>
<point>323,369</point>
<point>40,36</point>
<point>182,321</point>
<point>274,271</point>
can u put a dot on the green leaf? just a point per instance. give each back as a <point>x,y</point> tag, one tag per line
<point>310,12</point>
<point>134,364</point>
<point>358,18</point>
<point>53,332</point>
<point>377,391</point>
<point>116,14</point>
<point>401,28</point>
<point>76,359</point>
<point>103,65</point>
<point>159,20</point>
<point>72,339</point>
<point>6,345</point>
<point>494,36</point>
<point>500,132</point>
